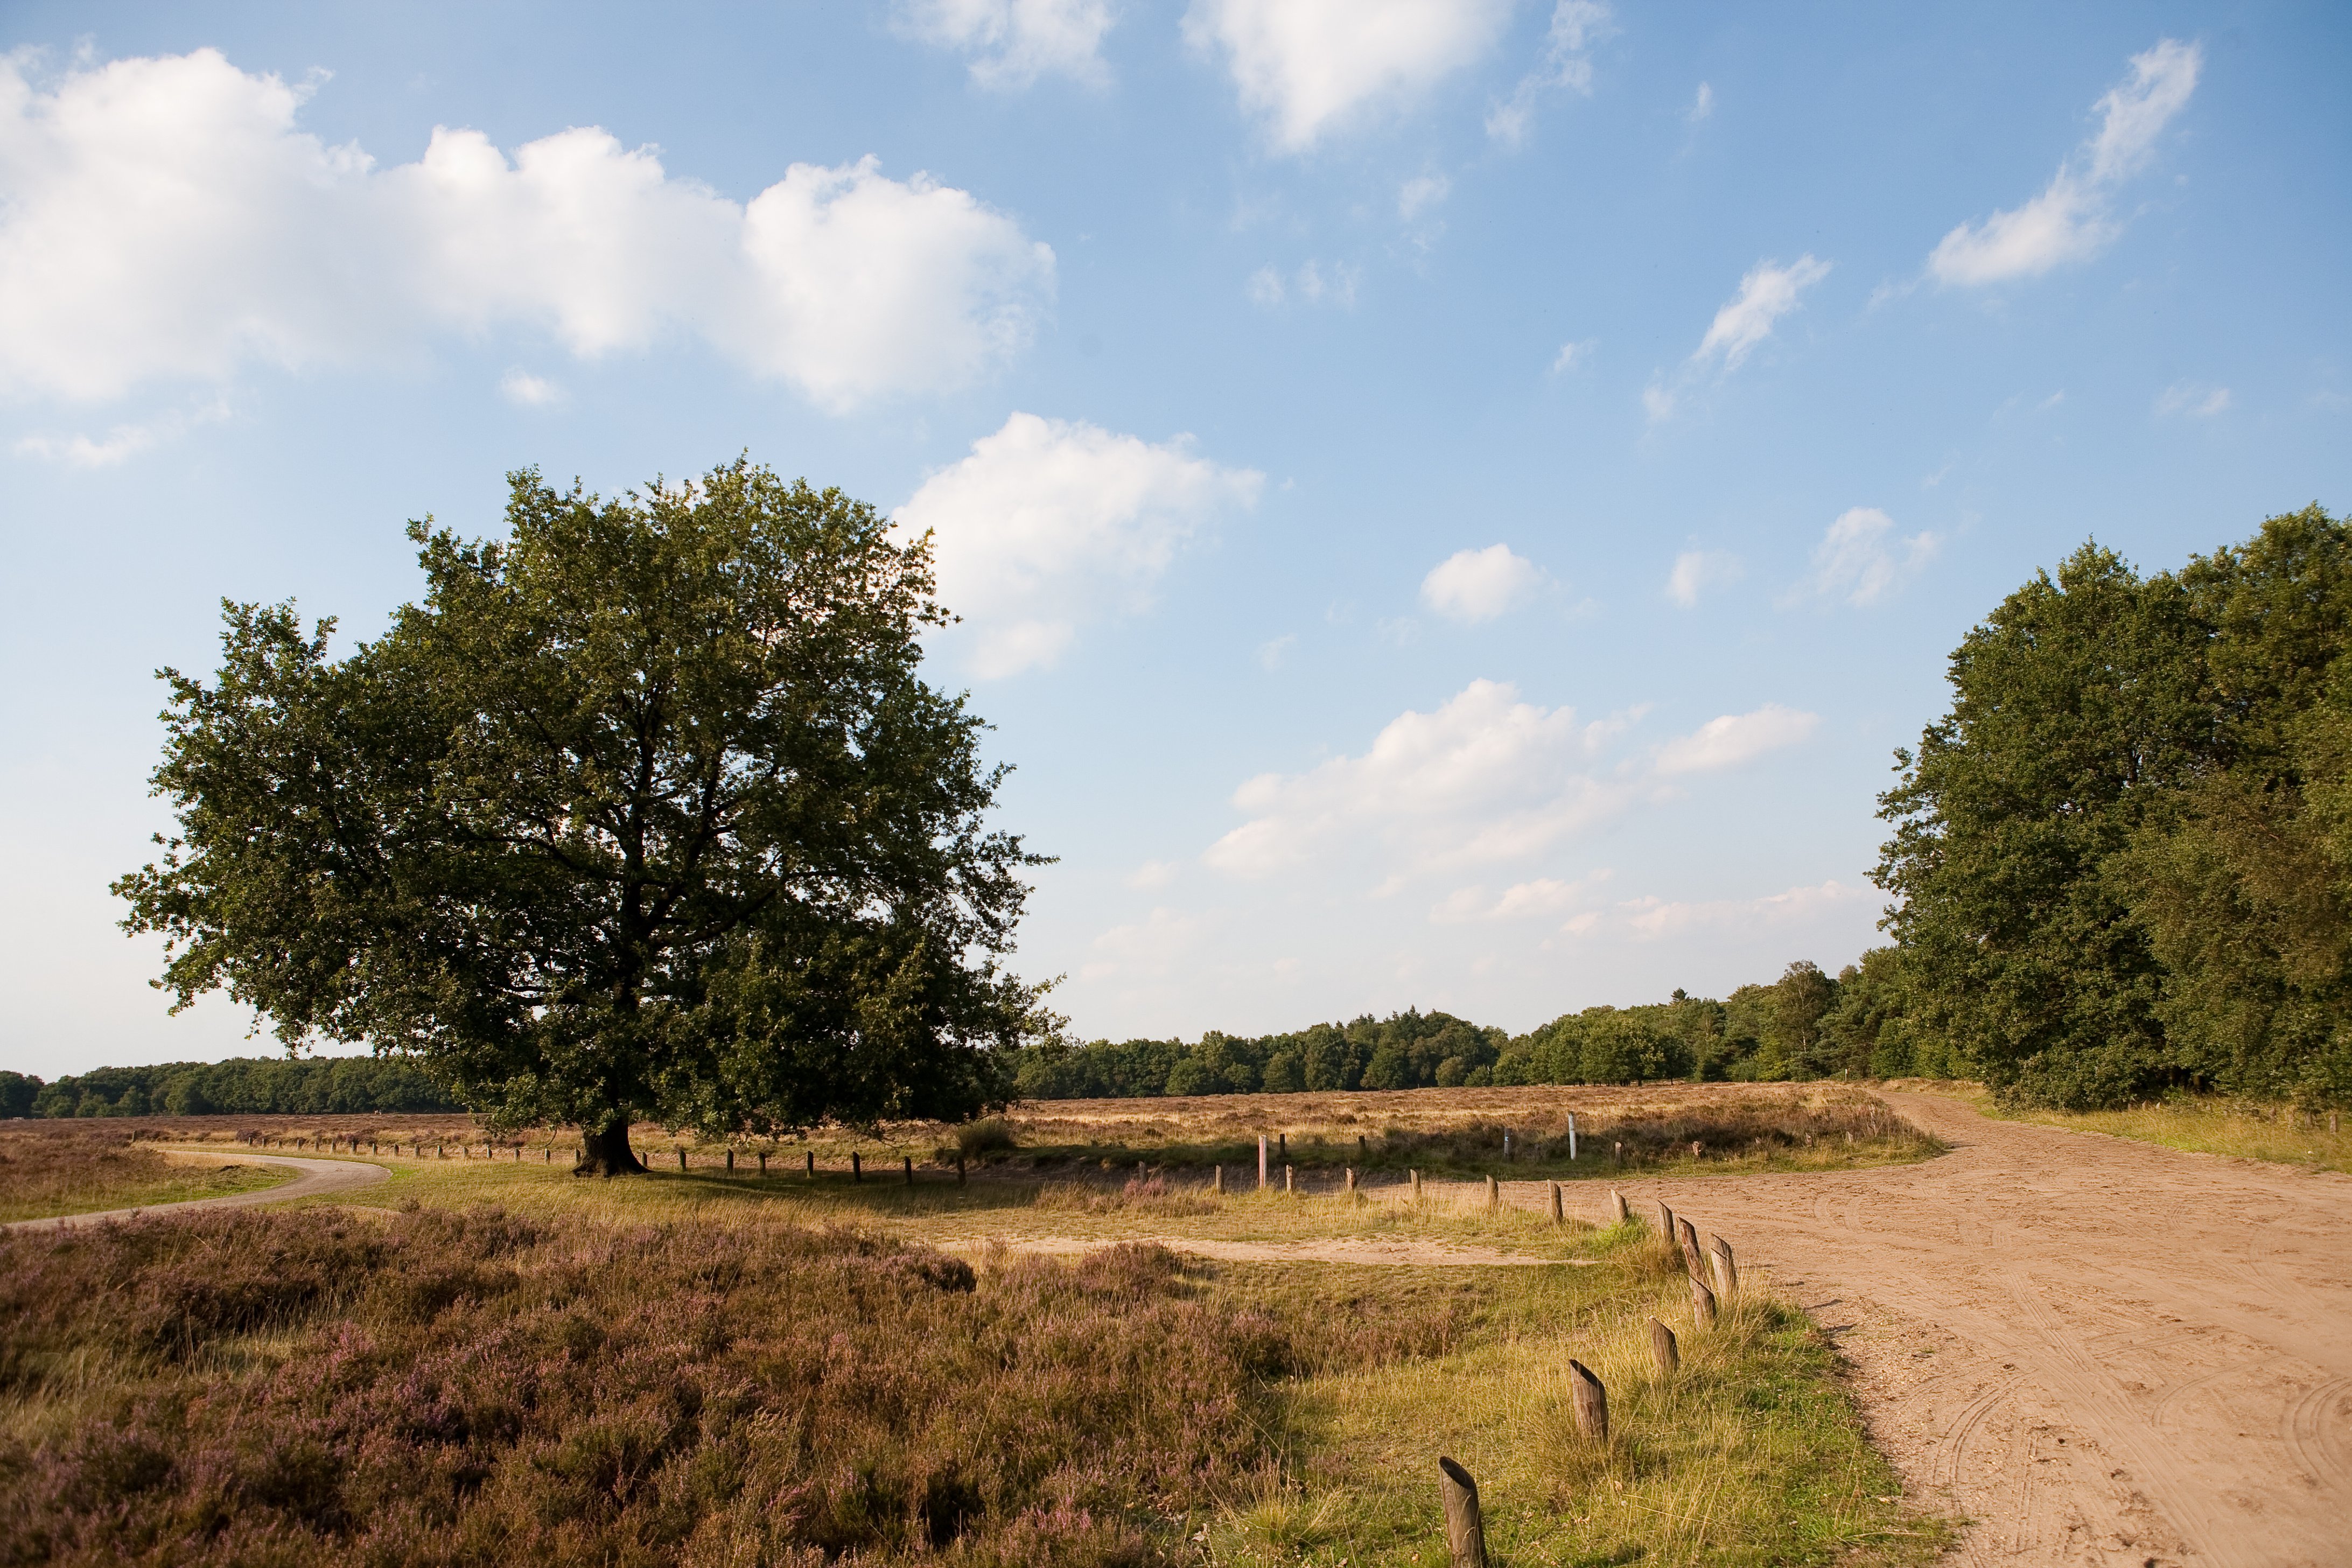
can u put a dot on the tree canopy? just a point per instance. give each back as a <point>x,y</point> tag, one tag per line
<point>643,811</point>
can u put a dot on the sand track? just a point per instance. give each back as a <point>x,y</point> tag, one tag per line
<point>2100,1351</point>
<point>318,1178</point>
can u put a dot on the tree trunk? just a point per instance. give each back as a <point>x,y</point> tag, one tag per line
<point>607,1154</point>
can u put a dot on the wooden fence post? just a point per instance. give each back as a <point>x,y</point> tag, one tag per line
<point>1506,1145</point>
<point>1668,1354</point>
<point>1727,1268</point>
<point>681,1156</point>
<point>1591,1401</point>
<point>1557,1216</point>
<point>1263,1183</point>
<point>763,1165</point>
<point>1289,1184</point>
<point>1618,1152</point>
<point>1618,1212</point>
<point>911,1168</point>
<point>856,1166</point>
<point>1665,1222</point>
<point>1702,1304</point>
<point>1350,1170</point>
<point>730,1161</point>
<point>1466,1531</point>
<point>1494,1194</point>
<point>1416,1185</point>
<point>1686,1234</point>
<point>1216,1178</point>
<point>810,1155</point>
<point>1282,1145</point>
<point>1363,1149</point>
<point>1571,1137</point>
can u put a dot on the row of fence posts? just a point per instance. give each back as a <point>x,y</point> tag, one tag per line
<point>547,1154</point>
<point>1465,1530</point>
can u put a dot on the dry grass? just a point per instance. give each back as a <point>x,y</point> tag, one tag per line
<point>2200,1124</point>
<point>48,1169</point>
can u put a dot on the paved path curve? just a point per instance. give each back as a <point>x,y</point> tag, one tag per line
<point>2100,1350</point>
<point>317,1179</point>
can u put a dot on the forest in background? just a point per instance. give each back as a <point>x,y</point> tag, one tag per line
<point>242,1085</point>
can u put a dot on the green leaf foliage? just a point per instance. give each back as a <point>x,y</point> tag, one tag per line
<point>643,811</point>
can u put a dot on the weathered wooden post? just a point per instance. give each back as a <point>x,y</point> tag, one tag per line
<point>1263,1183</point>
<point>1559,1215</point>
<point>1216,1178</point>
<point>1465,1531</point>
<point>856,1166</point>
<point>1363,1149</point>
<point>1416,1185</point>
<point>1282,1145</point>
<point>1665,1222</point>
<point>1350,1170</point>
<point>763,1165</point>
<point>1727,1268</point>
<point>730,1161</point>
<point>1617,1152</point>
<point>1591,1401</point>
<point>909,1159</point>
<point>547,1155</point>
<point>681,1156</point>
<point>1687,1235</point>
<point>1506,1144</point>
<point>1571,1137</point>
<point>1494,1194</point>
<point>1702,1304</point>
<point>1668,1354</point>
<point>1288,1184</point>
<point>1618,1212</point>
<point>810,1155</point>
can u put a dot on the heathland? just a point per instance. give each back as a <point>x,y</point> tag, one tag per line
<point>1055,1359</point>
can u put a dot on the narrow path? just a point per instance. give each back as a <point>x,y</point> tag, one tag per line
<point>318,1178</point>
<point>2100,1351</point>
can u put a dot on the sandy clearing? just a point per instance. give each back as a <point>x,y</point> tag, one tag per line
<point>2100,1351</point>
<point>317,1179</point>
<point>1384,1254</point>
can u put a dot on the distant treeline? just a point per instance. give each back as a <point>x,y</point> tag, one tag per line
<point>1804,1025</point>
<point>251,1086</point>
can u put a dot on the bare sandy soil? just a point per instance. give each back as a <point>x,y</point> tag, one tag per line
<point>318,1178</point>
<point>2099,1351</point>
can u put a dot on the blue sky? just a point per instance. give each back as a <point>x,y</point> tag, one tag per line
<point>1453,504</point>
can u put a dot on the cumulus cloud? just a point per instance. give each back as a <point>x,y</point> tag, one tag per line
<point>1486,777</point>
<point>1543,897</point>
<point>1309,68</point>
<point>1312,284</point>
<point>1736,738</point>
<point>529,391</point>
<point>1696,571</point>
<point>1769,292</point>
<point>1473,585</point>
<point>1652,918</point>
<point>2073,219</point>
<point>167,218</point>
<point>1861,561</point>
<point>1050,523</point>
<point>1576,25</point>
<point>1012,43</point>
<point>2195,401</point>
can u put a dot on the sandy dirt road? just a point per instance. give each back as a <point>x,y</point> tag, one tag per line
<point>2099,1351</point>
<point>318,1178</point>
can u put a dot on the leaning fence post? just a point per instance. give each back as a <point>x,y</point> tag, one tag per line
<point>1663,1347</point>
<point>1727,1268</point>
<point>1686,1237</point>
<point>1702,1304</point>
<point>1618,1212</point>
<point>1466,1531</point>
<point>1665,1222</point>
<point>1591,1401</point>
<point>1558,1216</point>
<point>1262,1182</point>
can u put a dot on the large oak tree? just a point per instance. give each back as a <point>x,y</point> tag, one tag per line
<point>643,811</point>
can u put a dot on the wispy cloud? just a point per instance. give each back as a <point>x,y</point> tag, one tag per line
<point>1313,283</point>
<point>1696,571</point>
<point>1861,561</point>
<point>2073,218</point>
<point>1576,26</point>
<point>2192,400</point>
<point>121,442</point>
<point>1012,43</point>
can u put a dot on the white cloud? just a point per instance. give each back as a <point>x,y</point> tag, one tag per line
<point>1701,106</point>
<point>1272,652</point>
<point>1014,42</point>
<point>1769,292</point>
<point>2072,219</point>
<point>1543,897</point>
<point>1420,193</point>
<point>1570,356</point>
<point>1696,571</point>
<point>1651,919</point>
<point>520,386</point>
<point>2197,402</point>
<point>1736,738</point>
<point>1576,25</point>
<point>1474,585</point>
<point>1859,561</point>
<point>1312,284</point>
<point>122,442</point>
<point>166,218</point>
<point>1311,67</point>
<point>1485,778</point>
<point>1152,874</point>
<point>1050,523</point>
